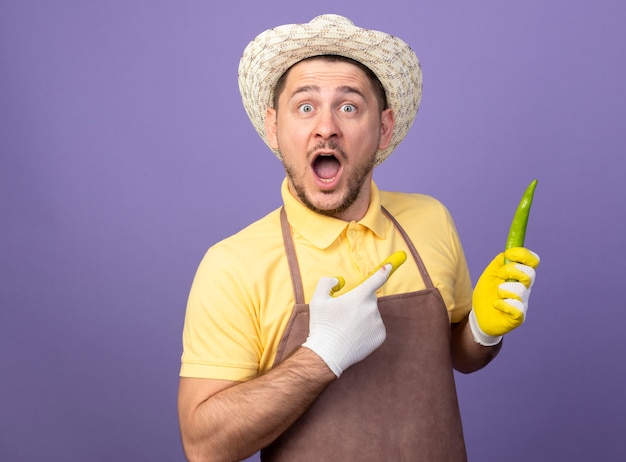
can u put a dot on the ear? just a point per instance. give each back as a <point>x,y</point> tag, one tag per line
<point>270,127</point>
<point>387,123</point>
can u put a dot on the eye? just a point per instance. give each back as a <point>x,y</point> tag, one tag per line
<point>306,108</point>
<point>348,108</point>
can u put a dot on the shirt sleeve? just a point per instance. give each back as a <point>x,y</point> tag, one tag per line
<point>463,283</point>
<point>220,334</point>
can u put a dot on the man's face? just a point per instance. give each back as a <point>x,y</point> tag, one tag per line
<point>328,127</point>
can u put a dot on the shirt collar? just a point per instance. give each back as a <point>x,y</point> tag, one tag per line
<point>322,230</point>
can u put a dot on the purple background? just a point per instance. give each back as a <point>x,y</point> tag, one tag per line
<point>125,152</point>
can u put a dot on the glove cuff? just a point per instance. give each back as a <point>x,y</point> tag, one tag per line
<point>319,350</point>
<point>479,336</point>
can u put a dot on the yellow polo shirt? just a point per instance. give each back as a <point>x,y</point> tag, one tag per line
<point>241,297</point>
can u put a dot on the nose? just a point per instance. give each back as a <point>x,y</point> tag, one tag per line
<point>327,126</point>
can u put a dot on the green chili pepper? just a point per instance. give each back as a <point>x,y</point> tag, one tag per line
<point>517,232</point>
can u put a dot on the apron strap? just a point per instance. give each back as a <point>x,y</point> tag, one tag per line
<point>294,268</point>
<point>292,258</point>
<point>418,260</point>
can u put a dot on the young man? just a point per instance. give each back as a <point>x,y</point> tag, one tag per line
<point>281,356</point>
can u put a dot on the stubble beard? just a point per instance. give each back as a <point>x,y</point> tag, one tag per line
<point>355,185</point>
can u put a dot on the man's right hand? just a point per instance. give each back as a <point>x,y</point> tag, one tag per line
<point>346,329</point>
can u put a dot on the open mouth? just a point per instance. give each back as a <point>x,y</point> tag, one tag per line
<point>326,167</point>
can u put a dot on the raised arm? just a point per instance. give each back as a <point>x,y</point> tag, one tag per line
<point>225,420</point>
<point>500,303</point>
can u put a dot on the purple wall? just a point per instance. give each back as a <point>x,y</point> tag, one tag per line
<point>125,152</point>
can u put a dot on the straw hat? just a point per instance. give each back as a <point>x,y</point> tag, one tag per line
<point>273,52</point>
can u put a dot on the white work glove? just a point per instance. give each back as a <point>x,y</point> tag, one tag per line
<point>346,329</point>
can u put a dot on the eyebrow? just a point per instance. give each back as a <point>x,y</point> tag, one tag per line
<point>344,89</point>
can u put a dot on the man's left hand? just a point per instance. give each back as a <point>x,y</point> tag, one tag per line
<point>500,299</point>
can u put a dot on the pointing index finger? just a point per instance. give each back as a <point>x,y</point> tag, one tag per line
<point>395,260</point>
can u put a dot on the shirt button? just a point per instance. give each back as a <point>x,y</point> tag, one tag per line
<point>360,255</point>
<point>352,233</point>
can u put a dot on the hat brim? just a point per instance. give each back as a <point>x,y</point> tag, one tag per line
<point>273,52</point>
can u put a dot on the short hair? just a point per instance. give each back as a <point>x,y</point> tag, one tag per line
<point>379,90</point>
